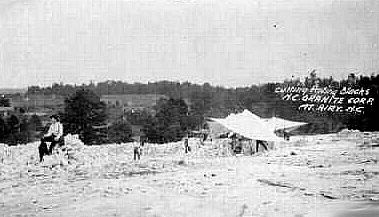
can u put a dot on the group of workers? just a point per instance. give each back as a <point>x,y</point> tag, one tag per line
<point>235,144</point>
<point>55,136</point>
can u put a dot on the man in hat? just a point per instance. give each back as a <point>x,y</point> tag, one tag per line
<point>54,135</point>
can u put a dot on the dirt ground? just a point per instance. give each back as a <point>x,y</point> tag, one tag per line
<point>334,175</point>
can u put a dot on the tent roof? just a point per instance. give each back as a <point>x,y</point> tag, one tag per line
<point>249,126</point>
<point>252,126</point>
<point>279,123</point>
<point>275,123</point>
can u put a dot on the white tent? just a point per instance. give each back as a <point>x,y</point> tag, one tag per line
<point>274,123</point>
<point>249,126</point>
<point>252,126</point>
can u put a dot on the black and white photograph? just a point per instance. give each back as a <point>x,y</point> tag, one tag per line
<point>189,108</point>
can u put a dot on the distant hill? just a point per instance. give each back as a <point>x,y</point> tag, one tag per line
<point>12,90</point>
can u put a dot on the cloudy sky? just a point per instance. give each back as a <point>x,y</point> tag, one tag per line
<point>232,43</point>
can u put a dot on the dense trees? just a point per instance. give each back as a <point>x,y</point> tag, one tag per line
<point>82,112</point>
<point>86,115</point>
<point>119,132</point>
<point>366,121</point>
<point>3,130</point>
<point>4,102</point>
<point>138,117</point>
<point>18,129</point>
<point>171,122</point>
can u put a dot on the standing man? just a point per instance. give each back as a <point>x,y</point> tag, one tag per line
<point>136,150</point>
<point>54,134</point>
<point>186,146</point>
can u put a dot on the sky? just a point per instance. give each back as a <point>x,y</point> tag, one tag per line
<point>222,42</point>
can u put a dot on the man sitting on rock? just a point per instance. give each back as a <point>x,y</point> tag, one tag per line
<point>54,135</point>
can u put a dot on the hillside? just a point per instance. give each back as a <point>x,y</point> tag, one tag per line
<point>330,176</point>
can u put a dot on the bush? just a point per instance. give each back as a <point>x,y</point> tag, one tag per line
<point>13,131</point>
<point>120,132</point>
<point>13,124</point>
<point>21,137</point>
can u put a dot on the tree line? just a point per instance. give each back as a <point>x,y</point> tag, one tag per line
<point>173,118</point>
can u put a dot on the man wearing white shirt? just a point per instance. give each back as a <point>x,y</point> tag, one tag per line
<point>54,134</point>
